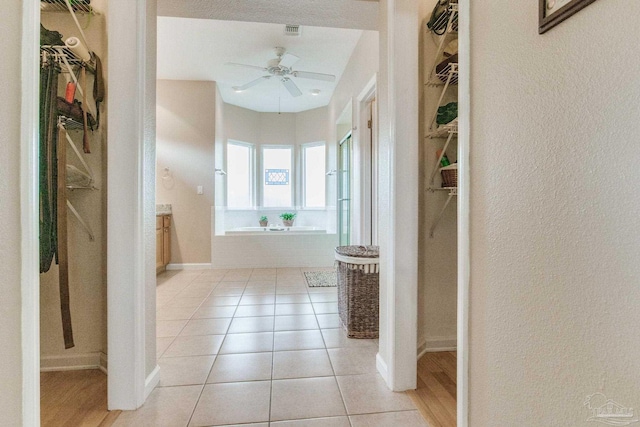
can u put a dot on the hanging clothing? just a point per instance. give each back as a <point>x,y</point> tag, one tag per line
<point>48,165</point>
<point>52,196</point>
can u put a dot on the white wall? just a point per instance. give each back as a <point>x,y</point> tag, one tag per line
<point>311,125</point>
<point>240,124</point>
<point>325,13</point>
<point>277,128</point>
<point>219,155</point>
<point>245,125</point>
<point>362,67</point>
<point>555,231</point>
<point>10,285</point>
<point>131,203</point>
<point>273,251</point>
<point>185,144</point>
<point>398,89</point>
<point>148,196</point>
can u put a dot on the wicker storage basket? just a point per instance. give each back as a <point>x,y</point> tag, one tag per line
<point>450,175</point>
<point>358,290</point>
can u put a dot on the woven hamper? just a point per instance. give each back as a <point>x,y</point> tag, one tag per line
<point>358,290</point>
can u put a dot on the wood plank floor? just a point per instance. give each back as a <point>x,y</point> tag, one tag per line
<point>436,393</point>
<point>75,398</point>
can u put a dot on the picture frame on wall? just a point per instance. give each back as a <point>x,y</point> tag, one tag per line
<point>553,12</point>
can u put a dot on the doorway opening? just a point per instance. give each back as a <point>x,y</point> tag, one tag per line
<point>72,184</point>
<point>257,317</point>
<point>139,278</point>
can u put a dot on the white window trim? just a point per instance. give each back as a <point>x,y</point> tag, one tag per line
<point>297,175</point>
<point>292,175</point>
<point>303,174</point>
<point>252,174</point>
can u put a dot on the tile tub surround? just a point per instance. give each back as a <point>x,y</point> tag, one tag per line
<point>273,250</point>
<point>260,349</point>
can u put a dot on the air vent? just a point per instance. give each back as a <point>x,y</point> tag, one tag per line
<point>292,30</point>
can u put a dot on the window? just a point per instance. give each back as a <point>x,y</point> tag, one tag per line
<point>239,175</point>
<point>277,177</point>
<point>313,157</point>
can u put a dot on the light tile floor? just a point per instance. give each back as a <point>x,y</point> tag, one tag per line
<point>257,347</point>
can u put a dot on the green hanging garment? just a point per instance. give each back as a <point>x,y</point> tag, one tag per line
<point>49,202</point>
<point>48,165</point>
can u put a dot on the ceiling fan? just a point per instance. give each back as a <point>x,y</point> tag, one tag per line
<point>280,68</point>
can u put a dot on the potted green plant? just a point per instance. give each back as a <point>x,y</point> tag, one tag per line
<point>264,221</point>
<point>287,219</point>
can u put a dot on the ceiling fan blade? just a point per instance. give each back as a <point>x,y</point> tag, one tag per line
<point>315,76</point>
<point>246,66</point>
<point>251,83</point>
<point>291,87</point>
<point>288,60</point>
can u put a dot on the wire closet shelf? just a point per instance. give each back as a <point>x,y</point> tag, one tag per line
<point>78,6</point>
<point>60,54</point>
<point>447,22</point>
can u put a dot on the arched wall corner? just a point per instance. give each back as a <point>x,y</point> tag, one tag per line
<point>29,228</point>
<point>398,191</point>
<point>133,371</point>
<point>464,215</point>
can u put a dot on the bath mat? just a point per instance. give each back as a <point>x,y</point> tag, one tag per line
<point>321,279</point>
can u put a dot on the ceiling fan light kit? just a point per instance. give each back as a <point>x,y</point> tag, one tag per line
<point>281,67</point>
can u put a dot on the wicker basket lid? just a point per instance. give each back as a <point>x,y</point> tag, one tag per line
<point>359,251</point>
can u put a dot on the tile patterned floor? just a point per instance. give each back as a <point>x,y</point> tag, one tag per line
<point>257,347</point>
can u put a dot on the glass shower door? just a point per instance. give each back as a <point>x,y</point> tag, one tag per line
<point>344,192</point>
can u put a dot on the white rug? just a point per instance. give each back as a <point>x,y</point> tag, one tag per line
<point>321,279</point>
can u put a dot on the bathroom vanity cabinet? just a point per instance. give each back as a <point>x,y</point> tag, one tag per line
<point>163,242</point>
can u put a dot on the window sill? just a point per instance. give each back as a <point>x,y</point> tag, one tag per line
<point>261,209</point>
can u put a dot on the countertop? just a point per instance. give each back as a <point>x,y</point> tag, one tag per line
<point>163,210</point>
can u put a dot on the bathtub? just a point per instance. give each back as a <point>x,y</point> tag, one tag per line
<point>275,230</point>
<point>258,247</point>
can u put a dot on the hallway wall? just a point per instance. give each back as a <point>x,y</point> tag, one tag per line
<point>361,68</point>
<point>555,230</point>
<point>10,285</point>
<point>185,143</point>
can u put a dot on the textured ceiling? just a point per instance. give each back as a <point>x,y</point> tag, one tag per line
<point>355,14</point>
<point>199,49</point>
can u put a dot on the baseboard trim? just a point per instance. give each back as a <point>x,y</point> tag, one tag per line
<point>104,363</point>
<point>381,365</point>
<point>74,362</point>
<point>151,382</point>
<point>189,266</point>
<point>434,345</point>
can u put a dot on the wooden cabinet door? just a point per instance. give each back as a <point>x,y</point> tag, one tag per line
<point>159,245</point>
<point>166,245</point>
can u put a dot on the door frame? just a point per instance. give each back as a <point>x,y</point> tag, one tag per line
<point>347,138</point>
<point>29,214</point>
<point>129,212</point>
<point>364,154</point>
<point>464,212</point>
<point>394,14</point>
